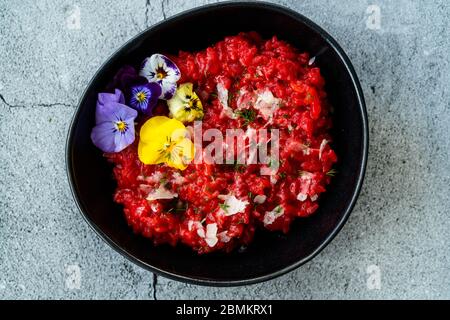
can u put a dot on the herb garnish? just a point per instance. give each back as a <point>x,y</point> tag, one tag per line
<point>332,173</point>
<point>249,115</point>
<point>230,98</point>
<point>224,206</point>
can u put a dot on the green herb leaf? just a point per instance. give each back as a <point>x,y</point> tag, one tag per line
<point>230,98</point>
<point>164,179</point>
<point>224,206</point>
<point>248,115</point>
<point>332,173</point>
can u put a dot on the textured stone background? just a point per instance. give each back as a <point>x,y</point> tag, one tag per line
<point>400,226</point>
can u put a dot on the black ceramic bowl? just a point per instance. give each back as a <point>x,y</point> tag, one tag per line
<point>270,254</point>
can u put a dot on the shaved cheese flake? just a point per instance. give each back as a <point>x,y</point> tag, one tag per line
<point>177,178</point>
<point>201,232</point>
<point>271,216</point>
<point>161,193</point>
<point>194,224</point>
<point>267,104</point>
<point>314,197</point>
<point>322,147</point>
<point>145,188</point>
<point>154,207</point>
<point>306,178</point>
<point>302,197</point>
<point>273,179</point>
<point>223,237</point>
<point>155,177</point>
<point>245,99</point>
<point>260,199</point>
<point>222,95</point>
<point>232,205</point>
<point>211,234</point>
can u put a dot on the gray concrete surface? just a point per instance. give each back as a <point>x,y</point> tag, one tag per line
<point>399,230</point>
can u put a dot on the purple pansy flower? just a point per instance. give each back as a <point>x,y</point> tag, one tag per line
<point>160,69</point>
<point>144,97</point>
<point>105,98</point>
<point>125,78</point>
<point>115,123</point>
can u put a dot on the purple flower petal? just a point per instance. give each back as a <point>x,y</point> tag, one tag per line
<point>168,90</point>
<point>123,140</point>
<point>121,111</point>
<point>125,78</point>
<point>103,136</point>
<point>117,96</point>
<point>116,131</point>
<point>144,97</point>
<point>102,114</point>
<point>172,66</point>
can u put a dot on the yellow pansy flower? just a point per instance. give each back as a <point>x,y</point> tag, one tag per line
<point>185,104</point>
<point>164,140</point>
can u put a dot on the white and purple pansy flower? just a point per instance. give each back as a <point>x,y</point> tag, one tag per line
<point>144,97</point>
<point>160,69</point>
<point>114,130</point>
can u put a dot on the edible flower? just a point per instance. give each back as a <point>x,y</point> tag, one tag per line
<point>106,98</point>
<point>160,69</point>
<point>114,129</point>
<point>185,106</point>
<point>126,78</point>
<point>164,140</point>
<point>144,97</point>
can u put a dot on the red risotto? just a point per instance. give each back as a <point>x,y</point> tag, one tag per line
<point>243,82</point>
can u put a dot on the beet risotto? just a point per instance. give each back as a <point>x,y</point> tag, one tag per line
<point>146,128</point>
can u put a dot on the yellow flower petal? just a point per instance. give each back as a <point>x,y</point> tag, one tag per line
<point>159,127</point>
<point>149,153</point>
<point>182,154</point>
<point>185,105</point>
<point>164,140</point>
<point>185,90</point>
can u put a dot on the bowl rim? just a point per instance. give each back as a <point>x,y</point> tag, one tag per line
<point>359,181</point>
